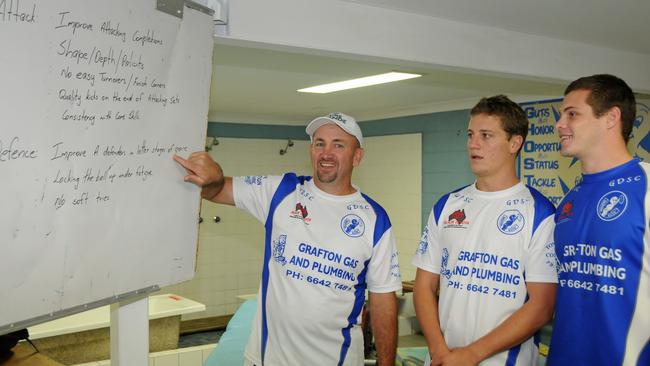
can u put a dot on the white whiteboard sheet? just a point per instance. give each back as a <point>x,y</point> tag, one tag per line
<point>95,98</point>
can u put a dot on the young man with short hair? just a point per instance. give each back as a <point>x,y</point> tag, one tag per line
<point>602,238</point>
<point>488,249</point>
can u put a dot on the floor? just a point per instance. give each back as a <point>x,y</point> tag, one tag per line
<point>404,343</point>
<point>199,339</point>
<point>413,340</point>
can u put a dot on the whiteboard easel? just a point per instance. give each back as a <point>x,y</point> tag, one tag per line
<point>130,332</point>
<point>97,97</point>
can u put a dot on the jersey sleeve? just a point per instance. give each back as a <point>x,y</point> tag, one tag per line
<point>541,262</point>
<point>427,255</point>
<point>253,194</point>
<point>383,270</point>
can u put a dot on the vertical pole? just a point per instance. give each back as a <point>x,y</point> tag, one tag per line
<point>130,332</point>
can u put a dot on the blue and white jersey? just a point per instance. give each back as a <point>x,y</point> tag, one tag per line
<point>321,253</point>
<point>602,243</point>
<point>485,246</point>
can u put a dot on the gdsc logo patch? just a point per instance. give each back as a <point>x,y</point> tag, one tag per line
<point>511,222</point>
<point>611,206</point>
<point>352,225</point>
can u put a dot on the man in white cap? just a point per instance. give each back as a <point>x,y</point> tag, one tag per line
<point>326,243</point>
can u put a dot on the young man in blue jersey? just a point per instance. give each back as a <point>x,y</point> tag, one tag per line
<point>488,249</point>
<point>326,243</point>
<point>601,234</point>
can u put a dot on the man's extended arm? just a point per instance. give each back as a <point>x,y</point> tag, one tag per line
<point>426,309</point>
<point>518,327</point>
<point>207,174</point>
<point>383,314</point>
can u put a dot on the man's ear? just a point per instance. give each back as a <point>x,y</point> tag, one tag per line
<point>358,156</point>
<point>612,117</point>
<point>515,143</point>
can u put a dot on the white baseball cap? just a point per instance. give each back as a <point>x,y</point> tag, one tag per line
<point>347,123</point>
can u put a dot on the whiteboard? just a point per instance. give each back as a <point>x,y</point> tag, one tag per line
<point>95,98</point>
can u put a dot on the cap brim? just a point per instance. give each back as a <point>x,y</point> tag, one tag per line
<point>316,124</point>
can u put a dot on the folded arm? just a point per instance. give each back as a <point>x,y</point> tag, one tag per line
<point>518,327</point>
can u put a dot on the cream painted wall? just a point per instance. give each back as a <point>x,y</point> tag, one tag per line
<point>229,259</point>
<point>391,174</point>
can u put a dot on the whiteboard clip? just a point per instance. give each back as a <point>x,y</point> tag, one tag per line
<point>176,7</point>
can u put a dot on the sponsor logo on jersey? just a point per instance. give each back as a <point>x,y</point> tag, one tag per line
<point>511,222</point>
<point>278,249</point>
<point>300,213</point>
<point>611,205</point>
<point>444,266</point>
<point>352,225</point>
<point>567,211</point>
<point>254,179</point>
<point>517,201</point>
<point>424,244</point>
<point>552,259</point>
<point>358,206</point>
<point>304,193</point>
<point>456,219</point>
<point>623,180</point>
<point>577,185</point>
<point>394,266</point>
<point>464,198</point>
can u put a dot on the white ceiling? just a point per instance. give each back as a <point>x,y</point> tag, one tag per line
<point>258,85</point>
<point>618,24</point>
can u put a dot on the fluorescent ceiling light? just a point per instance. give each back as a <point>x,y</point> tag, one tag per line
<point>360,82</point>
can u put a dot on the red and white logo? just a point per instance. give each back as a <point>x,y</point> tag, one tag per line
<point>457,219</point>
<point>300,213</point>
<point>567,211</point>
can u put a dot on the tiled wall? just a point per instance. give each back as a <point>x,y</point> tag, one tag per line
<point>230,252</point>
